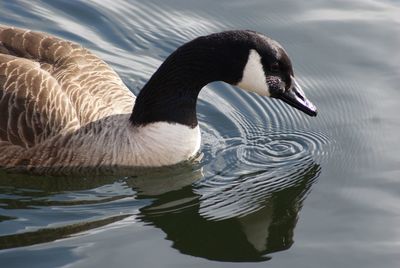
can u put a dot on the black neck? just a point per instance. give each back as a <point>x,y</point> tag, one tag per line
<point>171,93</point>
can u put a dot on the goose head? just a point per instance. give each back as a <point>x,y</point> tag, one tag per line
<point>268,72</point>
<point>246,59</point>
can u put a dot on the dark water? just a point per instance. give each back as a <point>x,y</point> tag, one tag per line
<point>273,188</point>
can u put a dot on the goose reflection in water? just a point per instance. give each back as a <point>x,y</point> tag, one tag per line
<point>172,201</point>
<point>261,228</point>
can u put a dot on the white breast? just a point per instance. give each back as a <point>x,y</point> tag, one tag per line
<point>163,143</point>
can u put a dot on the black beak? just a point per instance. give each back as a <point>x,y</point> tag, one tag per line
<point>295,97</point>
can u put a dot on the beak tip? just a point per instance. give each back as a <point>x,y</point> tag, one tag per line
<point>315,113</point>
<point>310,112</point>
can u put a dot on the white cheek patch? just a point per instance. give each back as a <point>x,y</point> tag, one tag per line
<point>253,79</point>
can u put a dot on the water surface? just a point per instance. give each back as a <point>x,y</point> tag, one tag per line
<point>272,187</point>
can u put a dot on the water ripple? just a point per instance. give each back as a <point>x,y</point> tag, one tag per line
<point>256,163</point>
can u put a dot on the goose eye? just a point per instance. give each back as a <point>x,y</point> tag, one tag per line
<point>274,67</point>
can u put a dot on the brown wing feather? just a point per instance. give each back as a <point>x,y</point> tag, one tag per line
<point>32,105</point>
<point>94,89</point>
<point>48,85</point>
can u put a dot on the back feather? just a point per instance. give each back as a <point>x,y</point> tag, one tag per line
<point>50,86</point>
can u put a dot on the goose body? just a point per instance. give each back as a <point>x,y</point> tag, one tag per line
<point>63,109</point>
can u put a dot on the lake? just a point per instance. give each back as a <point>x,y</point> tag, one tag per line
<point>272,186</point>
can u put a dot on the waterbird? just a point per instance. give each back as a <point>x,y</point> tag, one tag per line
<point>63,109</point>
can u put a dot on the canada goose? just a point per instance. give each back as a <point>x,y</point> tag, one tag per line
<point>62,108</point>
